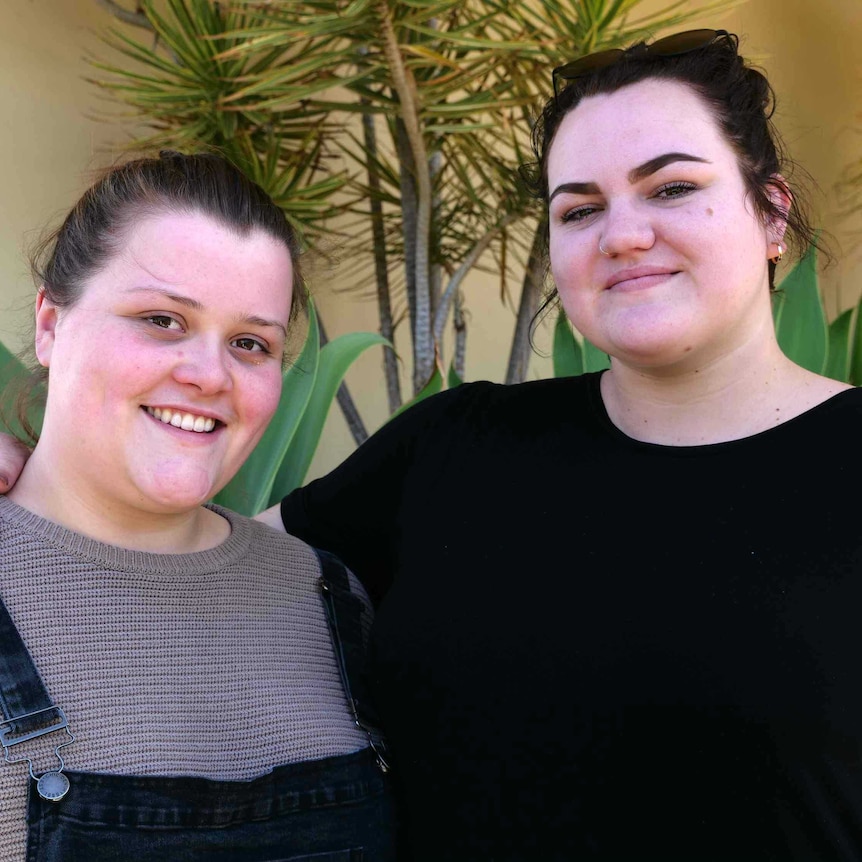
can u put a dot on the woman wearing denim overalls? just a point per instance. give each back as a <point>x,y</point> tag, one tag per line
<point>173,678</point>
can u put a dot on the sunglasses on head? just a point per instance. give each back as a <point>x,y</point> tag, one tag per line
<point>668,46</point>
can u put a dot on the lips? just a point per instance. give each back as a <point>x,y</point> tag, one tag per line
<point>180,419</point>
<point>639,277</point>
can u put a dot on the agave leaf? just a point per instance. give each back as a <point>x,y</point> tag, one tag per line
<point>838,362</point>
<point>432,387</point>
<point>335,358</point>
<point>855,375</point>
<point>800,322</point>
<point>13,377</point>
<point>594,359</point>
<point>248,492</point>
<point>568,358</point>
<point>453,379</point>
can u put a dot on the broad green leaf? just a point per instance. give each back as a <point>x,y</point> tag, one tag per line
<point>800,322</point>
<point>335,358</point>
<point>249,491</point>
<point>855,376</point>
<point>13,377</point>
<point>567,354</point>
<point>432,387</point>
<point>838,361</point>
<point>594,359</point>
<point>453,379</point>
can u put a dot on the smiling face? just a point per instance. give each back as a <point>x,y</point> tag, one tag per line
<point>646,173</point>
<point>166,370</point>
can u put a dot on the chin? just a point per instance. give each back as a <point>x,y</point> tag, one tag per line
<point>652,347</point>
<point>179,493</point>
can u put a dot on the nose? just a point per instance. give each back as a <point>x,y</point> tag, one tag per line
<point>626,228</point>
<point>205,364</point>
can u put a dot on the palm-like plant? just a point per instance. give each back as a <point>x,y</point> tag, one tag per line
<point>189,94</point>
<point>444,91</point>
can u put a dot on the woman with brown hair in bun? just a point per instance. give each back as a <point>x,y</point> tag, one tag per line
<point>169,689</point>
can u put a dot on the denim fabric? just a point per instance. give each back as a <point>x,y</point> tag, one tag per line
<point>334,810</point>
<point>21,688</point>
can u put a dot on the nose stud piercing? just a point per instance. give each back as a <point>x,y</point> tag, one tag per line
<point>607,253</point>
<point>774,259</point>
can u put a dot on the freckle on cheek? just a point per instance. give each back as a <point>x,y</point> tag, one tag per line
<point>709,211</point>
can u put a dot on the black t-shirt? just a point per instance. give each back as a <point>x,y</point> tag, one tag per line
<point>587,647</point>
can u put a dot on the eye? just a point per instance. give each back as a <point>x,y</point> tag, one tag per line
<point>164,321</point>
<point>576,215</point>
<point>672,191</point>
<point>250,345</point>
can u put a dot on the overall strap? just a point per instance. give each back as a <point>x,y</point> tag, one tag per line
<point>27,710</point>
<point>347,614</point>
<point>21,688</point>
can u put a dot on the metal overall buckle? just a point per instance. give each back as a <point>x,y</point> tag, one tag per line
<point>51,785</point>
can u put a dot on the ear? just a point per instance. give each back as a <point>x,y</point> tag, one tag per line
<point>782,199</point>
<point>46,327</point>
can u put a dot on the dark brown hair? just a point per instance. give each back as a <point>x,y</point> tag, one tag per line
<point>738,96</point>
<point>96,227</point>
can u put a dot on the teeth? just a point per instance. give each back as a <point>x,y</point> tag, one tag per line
<point>186,421</point>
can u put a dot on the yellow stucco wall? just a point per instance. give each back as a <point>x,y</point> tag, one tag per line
<point>49,143</point>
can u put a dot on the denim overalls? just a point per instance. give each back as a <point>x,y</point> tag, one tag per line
<point>338,809</point>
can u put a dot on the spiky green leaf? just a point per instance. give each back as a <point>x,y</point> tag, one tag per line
<point>800,321</point>
<point>335,358</point>
<point>249,491</point>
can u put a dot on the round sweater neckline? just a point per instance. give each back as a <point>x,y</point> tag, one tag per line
<point>115,557</point>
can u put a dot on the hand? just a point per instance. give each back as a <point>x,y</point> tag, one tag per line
<point>13,456</point>
<point>271,516</point>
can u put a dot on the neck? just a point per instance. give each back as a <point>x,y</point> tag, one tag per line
<point>731,397</point>
<point>46,492</point>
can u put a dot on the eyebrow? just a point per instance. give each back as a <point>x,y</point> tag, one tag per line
<point>641,172</point>
<point>635,175</point>
<point>195,305</point>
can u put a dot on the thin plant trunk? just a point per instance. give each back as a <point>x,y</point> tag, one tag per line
<point>459,323</point>
<point>460,274</point>
<point>407,183</point>
<point>384,305</point>
<point>531,293</point>
<point>405,88</point>
<point>435,282</point>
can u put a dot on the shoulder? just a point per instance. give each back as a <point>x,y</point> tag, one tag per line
<point>266,546</point>
<point>815,440</point>
<point>835,419</point>
<point>835,409</point>
<point>273,553</point>
<point>292,554</point>
<point>484,404</point>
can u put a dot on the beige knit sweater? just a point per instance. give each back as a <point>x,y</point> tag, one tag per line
<point>215,664</point>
